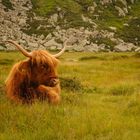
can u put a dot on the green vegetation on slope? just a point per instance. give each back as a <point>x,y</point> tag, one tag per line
<point>43,7</point>
<point>7,4</point>
<point>131,33</point>
<point>100,100</point>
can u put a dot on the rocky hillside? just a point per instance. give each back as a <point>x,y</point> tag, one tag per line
<point>90,25</point>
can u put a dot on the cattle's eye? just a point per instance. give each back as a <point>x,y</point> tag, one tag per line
<point>45,66</point>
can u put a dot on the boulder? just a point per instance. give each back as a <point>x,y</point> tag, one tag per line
<point>132,1</point>
<point>137,49</point>
<point>53,19</point>
<point>32,45</point>
<point>73,40</point>
<point>124,2</point>
<point>92,47</point>
<point>2,48</point>
<point>70,48</point>
<point>104,48</point>
<point>113,28</point>
<point>121,12</point>
<point>52,42</point>
<point>4,38</point>
<point>124,47</point>
<point>83,43</point>
<point>104,2</point>
<point>22,22</point>
<point>79,48</point>
<point>41,37</point>
<point>49,37</point>
<point>24,42</point>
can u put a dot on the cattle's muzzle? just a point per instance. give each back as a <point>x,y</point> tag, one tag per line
<point>53,81</point>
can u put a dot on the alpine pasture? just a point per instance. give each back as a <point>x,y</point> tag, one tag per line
<point>100,100</point>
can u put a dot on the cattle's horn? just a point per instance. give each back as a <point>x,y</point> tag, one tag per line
<point>62,51</point>
<point>20,48</point>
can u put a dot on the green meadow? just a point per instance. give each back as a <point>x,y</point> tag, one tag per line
<point>100,100</point>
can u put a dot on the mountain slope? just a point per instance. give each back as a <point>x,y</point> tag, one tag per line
<point>97,25</point>
<point>119,14</point>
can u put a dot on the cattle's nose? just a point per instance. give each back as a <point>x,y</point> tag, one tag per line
<point>54,82</point>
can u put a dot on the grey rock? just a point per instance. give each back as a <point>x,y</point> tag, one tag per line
<point>70,48</point>
<point>52,47</point>
<point>32,45</point>
<point>137,49</point>
<point>49,37</point>
<point>79,48</point>
<point>53,19</point>
<point>120,11</point>
<point>92,47</point>
<point>24,42</point>
<point>126,24</point>
<point>104,2</point>
<point>2,48</point>
<point>22,22</point>
<point>113,28</point>
<point>41,47</point>
<point>102,48</point>
<point>124,2</point>
<point>42,37</point>
<point>86,19</point>
<point>124,47</point>
<point>52,42</point>
<point>83,43</point>
<point>132,1</point>
<point>4,38</point>
<point>73,40</point>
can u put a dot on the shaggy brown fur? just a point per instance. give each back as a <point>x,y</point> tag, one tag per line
<point>34,78</point>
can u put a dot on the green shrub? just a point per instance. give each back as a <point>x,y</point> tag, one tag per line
<point>7,4</point>
<point>71,84</point>
<point>99,40</point>
<point>6,62</point>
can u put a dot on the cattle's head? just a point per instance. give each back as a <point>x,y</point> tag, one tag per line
<point>41,66</point>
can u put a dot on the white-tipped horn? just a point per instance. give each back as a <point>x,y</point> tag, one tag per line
<point>62,51</point>
<point>24,52</point>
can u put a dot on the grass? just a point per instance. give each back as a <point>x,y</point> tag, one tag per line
<point>100,100</point>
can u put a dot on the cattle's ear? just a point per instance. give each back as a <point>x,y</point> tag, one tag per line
<point>24,67</point>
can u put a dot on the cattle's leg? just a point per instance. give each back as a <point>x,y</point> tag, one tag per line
<point>49,93</point>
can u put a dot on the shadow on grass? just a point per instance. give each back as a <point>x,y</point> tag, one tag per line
<point>123,89</point>
<point>93,90</point>
<point>6,62</point>
<point>104,57</point>
<point>136,55</point>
